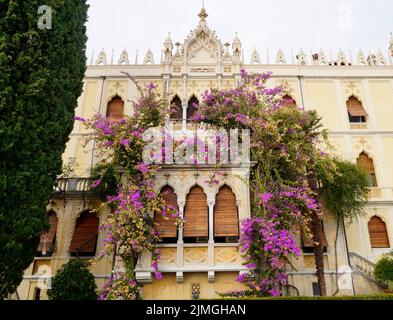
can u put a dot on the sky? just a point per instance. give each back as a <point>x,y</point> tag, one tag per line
<point>263,24</point>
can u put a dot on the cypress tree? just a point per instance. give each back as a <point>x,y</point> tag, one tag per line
<point>41,73</point>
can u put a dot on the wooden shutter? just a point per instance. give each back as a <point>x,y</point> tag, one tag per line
<point>47,240</point>
<point>367,165</point>
<point>192,108</point>
<point>355,108</point>
<point>196,214</point>
<point>308,241</point>
<point>84,239</point>
<point>226,222</point>
<point>168,228</point>
<point>288,101</point>
<point>115,109</point>
<point>177,106</point>
<point>378,233</point>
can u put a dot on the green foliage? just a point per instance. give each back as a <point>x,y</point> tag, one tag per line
<point>74,281</point>
<point>384,268</point>
<point>345,191</point>
<point>41,73</point>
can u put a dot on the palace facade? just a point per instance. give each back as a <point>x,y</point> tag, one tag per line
<point>354,96</point>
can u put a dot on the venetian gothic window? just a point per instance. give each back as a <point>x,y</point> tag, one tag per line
<point>177,109</point>
<point>367,165</point>
<point>115,109</point>
<point>46,246</point>
<point>288,101</point>
<point>192,107</point>
<point>196,214</point>
<point>84,240</point>
<point>226,219</point>
<point>378,233</point>
<point>167,225</point>
<point>356,112</point>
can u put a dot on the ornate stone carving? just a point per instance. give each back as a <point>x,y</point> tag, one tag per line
<point>101,60</point>
<point>168,255</point>
<point>227,254</point>
<point>195,255</point>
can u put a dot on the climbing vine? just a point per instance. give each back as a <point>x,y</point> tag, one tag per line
<point>289,163</point>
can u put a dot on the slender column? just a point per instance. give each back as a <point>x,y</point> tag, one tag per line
<point>180,241</point>
<point>211,204</point>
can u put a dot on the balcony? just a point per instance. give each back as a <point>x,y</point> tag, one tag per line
<point>73,186</point>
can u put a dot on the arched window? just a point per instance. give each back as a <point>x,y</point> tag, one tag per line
<point>115,110</point>
<point>177,109</point>
<point>356,112</point>
<point>46,246</point>
<point>167,225</point>
<point>378,233</point>
<point>288,101</point>
<point>192,107</point>
<point>196,214</point>
<point>226,220</point>
<point>84,240</point>
<point>367,165</point>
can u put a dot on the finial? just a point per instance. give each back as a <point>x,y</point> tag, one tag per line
<point>203,14</point>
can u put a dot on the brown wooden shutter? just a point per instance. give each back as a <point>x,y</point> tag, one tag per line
<point>226,222</point>
<point>168,228</point>
<point>47,240</point>
<point>367,165</point>
<point>84,239</point>
<point>355,108</point>
<point>196,214</point>
<point>378,233</point>
<point>177,106</point>
<point>192,107</point>
<point>115,109</point>
<point>308,242</point>
<point>288,101</point>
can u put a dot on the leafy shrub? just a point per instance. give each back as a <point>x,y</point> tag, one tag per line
<point>74,281</point>
<point>384,268</point>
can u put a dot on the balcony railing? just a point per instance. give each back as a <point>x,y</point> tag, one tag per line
<point>73,186</point>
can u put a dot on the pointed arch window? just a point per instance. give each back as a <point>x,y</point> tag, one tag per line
<point>367,165</point>
<point>378,233</point>
<point>115,109</point>
<point>288,101</point>
<point>226,218</point>
<point>177,109</point>
<point>192,107</point>
<point>84,240</point>
<point>46,246</point>
<point>356,112</point>
<point>196,214</point>
<point>167,225</point>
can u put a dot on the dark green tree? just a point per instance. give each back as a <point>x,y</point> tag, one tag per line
<point>41,73</point>
<point>74,281</point>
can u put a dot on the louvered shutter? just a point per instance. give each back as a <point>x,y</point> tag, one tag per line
<point>355,108</point>
<point>47,240</point>
<point>84,239</point>
<point>226,223</point>
<point>367,165</point>
<point>168,227</point>
<point>378,233</point>
<point>196,214</point>
<point>115,109</point>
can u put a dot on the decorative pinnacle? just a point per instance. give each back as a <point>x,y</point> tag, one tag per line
<point>203,14</point>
